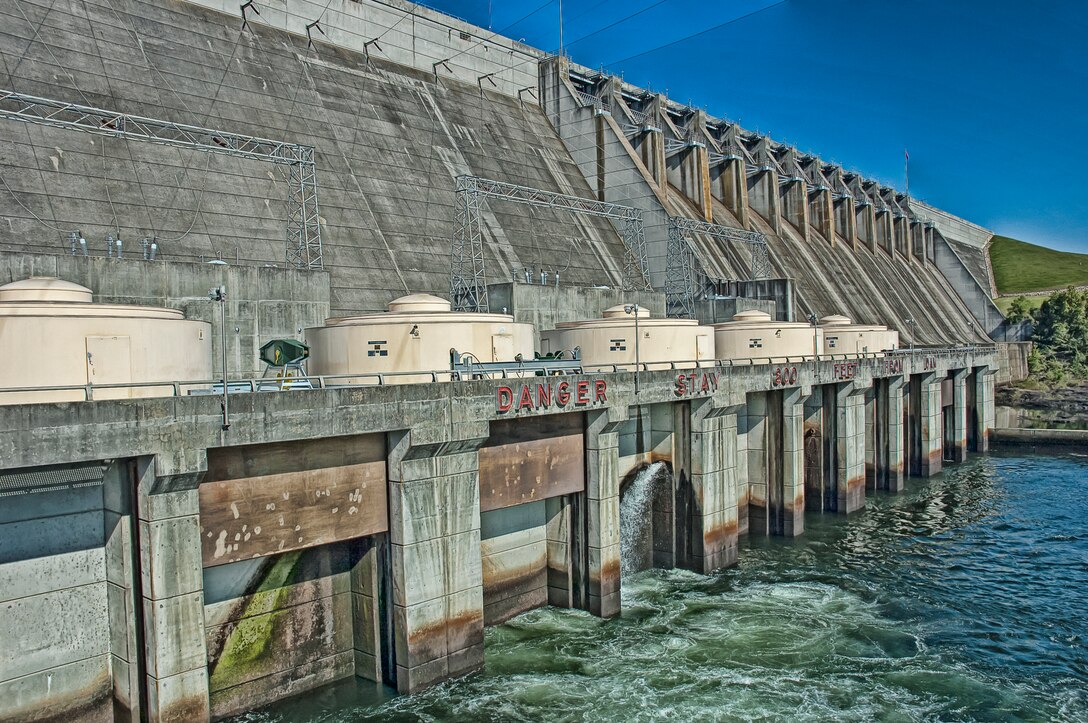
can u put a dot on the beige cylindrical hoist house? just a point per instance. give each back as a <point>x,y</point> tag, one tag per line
<point>415,334</point>
<point>841,336</point>
<point>55,335</point>
<point>611,339</point>
<point>755,335</point>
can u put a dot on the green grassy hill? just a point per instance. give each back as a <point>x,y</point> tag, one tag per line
<point>1004,302</point>
<point>1020,266</point>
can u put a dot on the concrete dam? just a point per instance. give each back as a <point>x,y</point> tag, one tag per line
<point>560,329</point>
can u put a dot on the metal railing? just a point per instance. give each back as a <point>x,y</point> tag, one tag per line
<point>211,387</point>
<point>588,99</point>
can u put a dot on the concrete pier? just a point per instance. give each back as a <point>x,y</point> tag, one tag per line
<point>172,586</point>
<point>834,448</point>
<point>930,420</point>
<point>775,433</point>
<point>602,510</point>
<point>711,539</point>
<point>434,531</point>
<point>849,453</point>
<point>959,414</point>
<point>890,465</point>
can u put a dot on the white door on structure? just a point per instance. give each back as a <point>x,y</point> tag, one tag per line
<point>109,360</point>
<point>502,347</point>
<point>702,347</point>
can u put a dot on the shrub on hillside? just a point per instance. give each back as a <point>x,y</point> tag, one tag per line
<point>1019,310</point>
<point>1061,337</point>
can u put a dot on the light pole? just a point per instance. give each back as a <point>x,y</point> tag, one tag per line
<point>815,321</point>
<point>219,294</point>
<point>633,309</point>
<point>910,322</point>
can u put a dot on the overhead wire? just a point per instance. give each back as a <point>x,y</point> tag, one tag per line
<point>535,58</point>
<point>431,156</point>
<point>617,22</point>
<point>37,37</point>
<point>498,32</point>
<point>588,10</point>
<point>699,33</point>
<point>26,208</point>
<point>187,163</point>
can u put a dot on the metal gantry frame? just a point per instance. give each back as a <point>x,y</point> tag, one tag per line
<point>468,286</point>
<point>684,275</point>
<point>303,223</point>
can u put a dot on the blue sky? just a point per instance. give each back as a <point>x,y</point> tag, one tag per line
<point>990,97</point>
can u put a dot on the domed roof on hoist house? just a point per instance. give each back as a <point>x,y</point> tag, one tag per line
<point>45,288</point>
<point>414,303</point>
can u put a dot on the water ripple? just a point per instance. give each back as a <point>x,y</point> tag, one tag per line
<point>965,598</point>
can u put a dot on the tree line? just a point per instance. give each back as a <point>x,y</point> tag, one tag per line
<point>1060,334</point>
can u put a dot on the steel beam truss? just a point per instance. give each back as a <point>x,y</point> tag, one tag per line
<point>468,286</point>
<point>685,277</point>
<point>303,227</point>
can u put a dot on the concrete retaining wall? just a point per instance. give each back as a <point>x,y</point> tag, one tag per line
<point>389,140</point>
<point>1012,362</point>
<point>1040,438</point>
<point>263,303</point>
<point>953,226</point>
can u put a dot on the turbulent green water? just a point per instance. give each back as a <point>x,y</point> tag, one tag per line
<point>965,598</point>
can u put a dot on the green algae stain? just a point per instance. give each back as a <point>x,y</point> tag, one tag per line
<point>253,636</point>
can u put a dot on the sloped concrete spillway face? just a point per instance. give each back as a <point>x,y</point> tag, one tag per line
<point>297,583</point>
<point>415,334</point>
<point>53,334</point>
<point>611,339</point>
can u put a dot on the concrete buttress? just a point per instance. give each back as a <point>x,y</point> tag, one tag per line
<point>930,433</point>
<point>172,586</point>
<point>434,531</point>
<point>850,448</point>
<point>602,511</point>
<point>959,415</point>
<point>889,457</point>
<point>712,542</point>
<point>984,407</point>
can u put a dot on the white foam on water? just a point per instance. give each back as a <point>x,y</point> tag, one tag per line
<point>635,517</point>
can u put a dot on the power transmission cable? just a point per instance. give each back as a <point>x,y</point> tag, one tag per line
<point>186,163</point>
<point>535,59</point>
<point>499,31</point>
<point>617,22</point>
<point>588,10</point>
<point>37,37</point>
<point>199,203</point>
<point>26,208</point>
<point>410,13</point>
<point>106,185</point>
<point>699,33</point>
